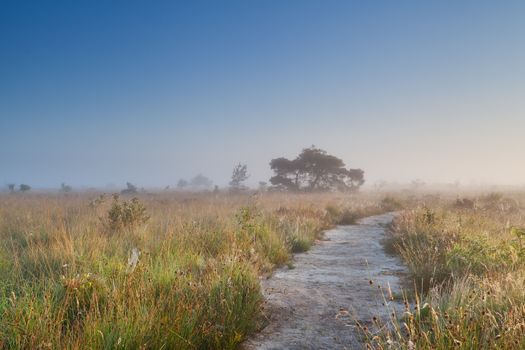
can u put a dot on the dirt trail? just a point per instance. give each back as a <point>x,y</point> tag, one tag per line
<point>315,305</point>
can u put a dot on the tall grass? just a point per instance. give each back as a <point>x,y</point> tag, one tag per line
<point>175,271</point>
<point>467,260</point>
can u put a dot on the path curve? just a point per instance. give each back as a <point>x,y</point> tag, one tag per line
<point>315,304</point>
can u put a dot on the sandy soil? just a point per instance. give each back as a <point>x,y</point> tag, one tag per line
<point>341,280</point>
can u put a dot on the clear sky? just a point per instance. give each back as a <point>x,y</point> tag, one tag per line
<point>99,92</point>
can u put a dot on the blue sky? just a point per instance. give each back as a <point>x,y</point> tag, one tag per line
<point>95,92</point>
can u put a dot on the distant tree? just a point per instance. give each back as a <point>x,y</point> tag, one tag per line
<point>201,182</point>
<point>131,189</point>
<point>65,188</point>
<point>182,184</point>
<point>263,186</point>
<point>24,188</point>
<point>11,187</point>
<point>315,170</point>
<point>239,175</point>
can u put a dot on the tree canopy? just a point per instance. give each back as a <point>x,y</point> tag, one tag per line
<point>315,170</point>
<point>182,184</point>
<point>201,182</point>
<point>24,188</point>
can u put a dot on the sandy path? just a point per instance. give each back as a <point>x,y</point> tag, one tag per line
<point>315,305</point>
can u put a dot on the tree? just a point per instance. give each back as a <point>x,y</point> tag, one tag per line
<point>24,188</point>
<point>131,189</point>
<point>315,170</point>
<point>201,182</point>
<point>239,175</point>
<point>182,184</point>
<point>11,187</point>
<point>65,188</point>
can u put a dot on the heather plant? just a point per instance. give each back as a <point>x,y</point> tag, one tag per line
<point>126,214</point>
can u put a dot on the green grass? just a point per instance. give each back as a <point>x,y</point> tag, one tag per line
<point>467,264</point>
<point>65,281</point>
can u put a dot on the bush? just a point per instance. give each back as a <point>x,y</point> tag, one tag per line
<point>126,214</point>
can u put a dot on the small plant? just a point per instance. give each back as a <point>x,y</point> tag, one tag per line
<point>126,214</point>
<point>298,244</point>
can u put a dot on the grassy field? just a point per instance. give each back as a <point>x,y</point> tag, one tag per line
<point>182,270</point>
<point>466,259</point>
<point>173,271</point>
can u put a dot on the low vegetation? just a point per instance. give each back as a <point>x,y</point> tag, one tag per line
<point>181,270</point>
<point>466,259</point>
<point>176,271</point>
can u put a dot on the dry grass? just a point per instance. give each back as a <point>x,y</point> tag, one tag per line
<point>467,260</point>
<point>70,277</point>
